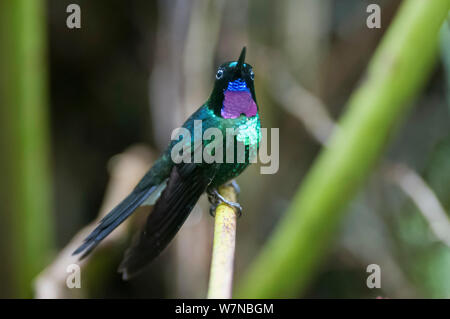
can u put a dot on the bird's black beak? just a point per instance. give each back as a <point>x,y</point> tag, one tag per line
<point>240,63</point>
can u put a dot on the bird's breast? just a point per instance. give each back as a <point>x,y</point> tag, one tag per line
<point>249,131</point>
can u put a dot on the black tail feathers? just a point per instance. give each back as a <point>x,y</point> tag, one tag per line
<point>113,220</point>
<point>186,184</point>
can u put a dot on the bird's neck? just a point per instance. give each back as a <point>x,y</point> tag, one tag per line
<point>234,101</point>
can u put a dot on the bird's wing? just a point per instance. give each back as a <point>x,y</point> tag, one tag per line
<point>186,183</point>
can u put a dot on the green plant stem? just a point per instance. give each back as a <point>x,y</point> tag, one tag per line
<point>25,148</point>
<point>396,73</point>
<point>222,261</point>
<point>445,53</point>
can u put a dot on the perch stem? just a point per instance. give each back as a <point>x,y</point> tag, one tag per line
<point>221,274</point>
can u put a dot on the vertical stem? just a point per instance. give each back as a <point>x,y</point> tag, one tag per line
<point>25,147</point>
<point>221,275</point>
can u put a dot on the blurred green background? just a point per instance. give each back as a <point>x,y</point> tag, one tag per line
<point>71,99</point>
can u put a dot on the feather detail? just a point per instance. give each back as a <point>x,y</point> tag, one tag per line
<point>186,183</point>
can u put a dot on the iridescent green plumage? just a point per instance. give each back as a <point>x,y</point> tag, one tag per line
<point>174,187</point>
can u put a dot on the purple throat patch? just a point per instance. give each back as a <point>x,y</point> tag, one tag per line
<point>238,100</point>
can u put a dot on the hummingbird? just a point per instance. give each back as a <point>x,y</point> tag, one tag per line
<point>173,187</point>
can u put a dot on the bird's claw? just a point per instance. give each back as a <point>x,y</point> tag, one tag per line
<point>216,199</point>
<point>235,186</point>
<point>212,210</point>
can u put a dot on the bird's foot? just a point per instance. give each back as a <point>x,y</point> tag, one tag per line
<point>235,185</point>
<point>216,199</point>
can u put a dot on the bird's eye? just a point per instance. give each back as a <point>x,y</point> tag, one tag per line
<point>252,75</point>
<point>219,74</point>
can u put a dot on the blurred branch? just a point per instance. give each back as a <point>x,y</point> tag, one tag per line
<point>221,274</point>
<point>445,53</point>
<point>126,171</point>
<point>24,128</point>
<point>298,101</point>
<point>303,235</point>
<point>424,198</point>
<point>165,83</point>
<point>198,57</point>
<point>313,113</point>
